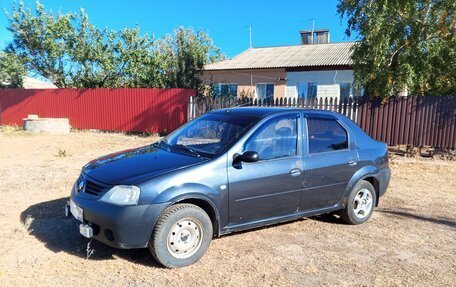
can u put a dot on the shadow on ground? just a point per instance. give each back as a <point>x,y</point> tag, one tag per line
<point>47,222</point>
<point>333,218</point>
<point>408,214</point>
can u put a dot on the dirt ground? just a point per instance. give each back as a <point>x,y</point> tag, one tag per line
<point>409,241</point>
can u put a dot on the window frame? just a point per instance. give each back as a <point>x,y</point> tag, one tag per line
<point>219,88</point>
<point>306,142</point>
<point>306,96</point>
<point>350,90</point>
<point>299,131</point>
<point>265,83</point>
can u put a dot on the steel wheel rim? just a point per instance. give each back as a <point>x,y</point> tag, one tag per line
<point>363,202</point>
<point>185,238</point>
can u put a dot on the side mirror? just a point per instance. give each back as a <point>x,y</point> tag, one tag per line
<point>247,156</point>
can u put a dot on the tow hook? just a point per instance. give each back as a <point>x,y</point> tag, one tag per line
<point>86,230</point>
<point>67,209</point>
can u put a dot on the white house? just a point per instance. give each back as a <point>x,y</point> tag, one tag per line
<point>313,69</point>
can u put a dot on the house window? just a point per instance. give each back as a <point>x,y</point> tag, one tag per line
<point>226,90</point>
<point>358,91</point>
<point>265,91</point>
<point>345,90</point>
<point>307,90</point>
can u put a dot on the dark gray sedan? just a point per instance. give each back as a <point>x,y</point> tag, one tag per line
<point>229,170</point>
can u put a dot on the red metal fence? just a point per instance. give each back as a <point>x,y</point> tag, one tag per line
<point>415,121</point>
<point>143,110</point>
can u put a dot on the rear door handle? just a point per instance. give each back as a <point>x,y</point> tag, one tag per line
<point>352,162</point>
<point>295,172</point>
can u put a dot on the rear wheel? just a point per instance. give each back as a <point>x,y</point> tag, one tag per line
<point>181,236</point>
<point>361,203</point>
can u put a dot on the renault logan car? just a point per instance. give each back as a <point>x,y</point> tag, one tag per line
<point>229,170</point>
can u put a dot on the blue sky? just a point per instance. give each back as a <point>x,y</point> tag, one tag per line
<point>273,22</point>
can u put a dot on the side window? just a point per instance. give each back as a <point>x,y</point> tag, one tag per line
<point>275,139</point>
<point>326,135</point>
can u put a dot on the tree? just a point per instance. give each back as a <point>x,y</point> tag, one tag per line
<point>183,56</point>
<point>69,51</point>
<point>403,45</point>
<point>103,58</point>
<point>12,71</point>
<point>41,40</point>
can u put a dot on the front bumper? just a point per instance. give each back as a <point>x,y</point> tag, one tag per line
<point>123,227</point>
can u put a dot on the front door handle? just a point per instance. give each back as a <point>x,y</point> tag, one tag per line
<point>352,162</point>
<point>295,172</point>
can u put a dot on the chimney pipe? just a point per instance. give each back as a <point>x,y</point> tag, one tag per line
<point>320,36</point>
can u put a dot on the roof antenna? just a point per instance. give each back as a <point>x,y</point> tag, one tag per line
<point>313,29</point>
<point>250,32</point>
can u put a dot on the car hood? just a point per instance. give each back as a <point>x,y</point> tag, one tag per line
<point>135,165</point>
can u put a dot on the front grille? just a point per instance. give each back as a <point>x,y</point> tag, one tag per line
<point>94,188</point>
<point>89,186</point>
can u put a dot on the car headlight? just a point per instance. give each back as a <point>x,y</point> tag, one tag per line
<point>122,195</point>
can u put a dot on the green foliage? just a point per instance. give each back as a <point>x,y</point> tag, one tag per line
<point>404,45</point>
<point>12,71</point>
<point>183,56</point>
<point>71,52</point>
<point>41,39</point>
<point>103,58</point>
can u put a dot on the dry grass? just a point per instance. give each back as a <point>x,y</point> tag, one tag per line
<point>10,129</point>
<point>410,240</point>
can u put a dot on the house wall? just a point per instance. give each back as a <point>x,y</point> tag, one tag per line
<point>247,79</point>
<point>327,82</point>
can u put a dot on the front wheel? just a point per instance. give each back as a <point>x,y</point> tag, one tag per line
<point>361,203</point>
<point>181,236</point>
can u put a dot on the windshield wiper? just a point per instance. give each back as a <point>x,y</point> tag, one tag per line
<point>186,148</point>
<point>161,144</point>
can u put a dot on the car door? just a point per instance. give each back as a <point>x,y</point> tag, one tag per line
<point>272,186</point>
<point>330,161</point>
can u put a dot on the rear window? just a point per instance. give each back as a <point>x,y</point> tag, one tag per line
<point>326,135</point>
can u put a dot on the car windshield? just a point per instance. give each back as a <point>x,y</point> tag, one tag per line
<point>208,135</point>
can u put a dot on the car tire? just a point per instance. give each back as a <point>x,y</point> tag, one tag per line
<point>361,203</point>
<point>181,236</point>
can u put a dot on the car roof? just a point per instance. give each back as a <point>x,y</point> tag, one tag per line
<point>266,111</point>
